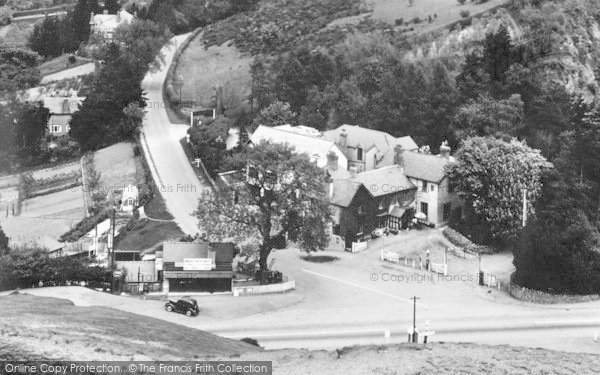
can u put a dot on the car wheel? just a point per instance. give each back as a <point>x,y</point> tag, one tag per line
<point>188,313</point>
<point>169,308</point>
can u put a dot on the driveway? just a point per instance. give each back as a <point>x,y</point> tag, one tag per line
<point>178,183</point>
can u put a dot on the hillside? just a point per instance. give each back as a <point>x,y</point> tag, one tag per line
<point>57,329</point>
<point>46,328</point>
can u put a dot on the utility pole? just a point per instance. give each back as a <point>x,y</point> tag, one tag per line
<point>414,330</point>
<point>524,207</point>
<point>112,242</point>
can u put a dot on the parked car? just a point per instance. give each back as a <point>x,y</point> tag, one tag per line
<point>187,306</point>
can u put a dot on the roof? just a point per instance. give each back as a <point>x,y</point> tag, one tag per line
<point>62,105</point>
<point>178,251</point>
<point>368,138</point>
<point>384,181</point>
<point>315,147</point>
<point>425,166</point>
<point>344,192</point>
<point>111,21</point>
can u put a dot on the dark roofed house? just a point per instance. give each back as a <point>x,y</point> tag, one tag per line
<point>197,266</point>
<point>382,197</point>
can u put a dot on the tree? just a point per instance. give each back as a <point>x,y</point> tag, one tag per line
<point>277,113</point>
<point>487,116</point>
<point>113,6</point>
<point>274,185</point>
<point>4,250</point>
<point>81,18</point>
<point>209,142</point>
<point>31,127</point>
<point>45,38</point>
<point>491,176</point>
<point>558,250</point>
<point>18,68</point>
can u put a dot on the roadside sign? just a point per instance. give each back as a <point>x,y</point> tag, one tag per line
<point>197,264</point>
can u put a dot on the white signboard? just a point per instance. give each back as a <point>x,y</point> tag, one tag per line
<point>158,264</point>
<point>197,264</point>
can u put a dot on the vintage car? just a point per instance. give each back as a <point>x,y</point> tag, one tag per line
<point>187,306</point>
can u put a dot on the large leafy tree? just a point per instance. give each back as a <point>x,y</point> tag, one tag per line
<point>208,141</point>
<point>559,248</point>
<point>45,38</point>
<point>31,127</point>
<point>276,190</point>
<point>491,175</point>
<point>81,18</point>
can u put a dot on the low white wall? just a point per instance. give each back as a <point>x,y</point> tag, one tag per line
<point>264,289</point>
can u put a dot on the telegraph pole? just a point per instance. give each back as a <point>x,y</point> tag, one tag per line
<point>414,334</point>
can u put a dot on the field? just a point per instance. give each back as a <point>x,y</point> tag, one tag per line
<point>38,327</point>
<point>147,234</point>
<point>117,167</point>
<point>442,12</point>
<point>204,69</point>
<point>54,328</point>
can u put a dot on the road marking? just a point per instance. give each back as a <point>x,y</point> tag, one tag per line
<point>406,300</point>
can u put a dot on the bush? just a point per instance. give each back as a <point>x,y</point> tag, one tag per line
<point>416,20</point>
<point>462,2</point>
<point>457,239</point>
<point>464,13</point>
<point>250,341</point>
<point>399,21</point>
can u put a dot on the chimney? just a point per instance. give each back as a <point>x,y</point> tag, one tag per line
<point>445,150</point>
<point>343,140</point>
<point>353,172</point>
<point>399,156</point>
<point>332,161</point>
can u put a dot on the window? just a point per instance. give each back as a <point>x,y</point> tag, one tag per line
<point>56,128</point>
<point>446,211</point>
<point>432,187</point>
<point>450,187</point>
<point>359,153</point>
<point>424,209</point>
<point>424,186</point>
<point>336,229</point>
<point>360,210</point>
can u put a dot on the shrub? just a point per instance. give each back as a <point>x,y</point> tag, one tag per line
<point>457,239</point>
<point>399,21</point>
<point>84,226</point>
<point>464,13</point>
<point>250,341</point>
<point>462,2</point>
<point>416,20</point>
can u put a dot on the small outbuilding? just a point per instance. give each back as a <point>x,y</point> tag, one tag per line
<point>197,266</point>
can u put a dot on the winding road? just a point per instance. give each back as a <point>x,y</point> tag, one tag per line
<point>174,176</point>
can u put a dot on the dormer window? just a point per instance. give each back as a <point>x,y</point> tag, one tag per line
<point>359,153</point>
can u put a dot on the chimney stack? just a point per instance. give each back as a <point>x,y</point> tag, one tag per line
<point>399,156</point>
<point>445,150</point>
<point>353,172</point>
<point>343,140</point>
<point>332,161</point>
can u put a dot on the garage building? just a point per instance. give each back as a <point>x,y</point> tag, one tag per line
<point>197,266</point>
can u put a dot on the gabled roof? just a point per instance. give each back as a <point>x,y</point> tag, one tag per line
<point>316,148</point>
<point>368,138</point>
<point>384,181</point>
<point>378,182</point>
<point>425,166</point>
<point>344,192</point>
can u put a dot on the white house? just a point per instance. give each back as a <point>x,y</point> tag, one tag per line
<point>129,199</point>
<point>316,148</point>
